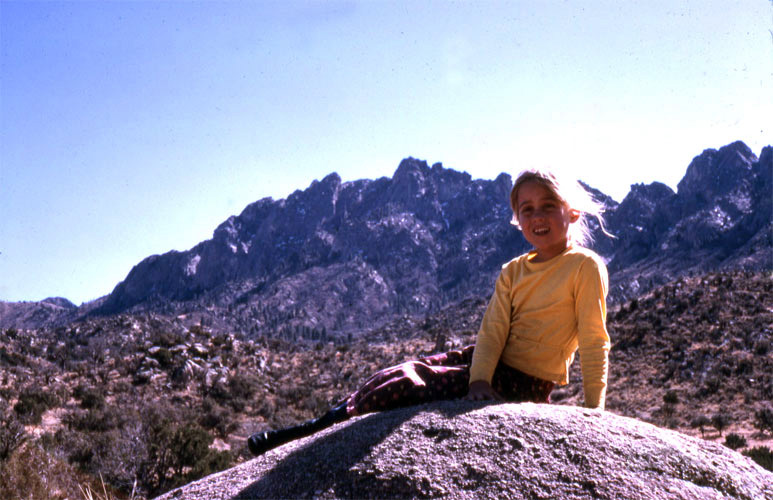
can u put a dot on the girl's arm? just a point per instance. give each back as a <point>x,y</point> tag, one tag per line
<point>491,339</point>
<point>593,339</point>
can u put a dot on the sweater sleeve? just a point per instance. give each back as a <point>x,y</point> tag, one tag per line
<point>593,339</point>
<point>493,333</point>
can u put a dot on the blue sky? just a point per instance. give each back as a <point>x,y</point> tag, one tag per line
<point>133,128</point>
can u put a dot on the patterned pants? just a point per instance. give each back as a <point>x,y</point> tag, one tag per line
<point>442,376</point>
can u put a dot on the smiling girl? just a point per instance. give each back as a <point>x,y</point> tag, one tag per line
<point>547,304</point>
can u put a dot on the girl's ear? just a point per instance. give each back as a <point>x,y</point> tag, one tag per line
<point>574,215</point>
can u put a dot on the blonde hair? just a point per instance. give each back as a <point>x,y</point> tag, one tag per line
<point>570,193</point>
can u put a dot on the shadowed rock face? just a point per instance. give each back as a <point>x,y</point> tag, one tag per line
<point>465,450</point>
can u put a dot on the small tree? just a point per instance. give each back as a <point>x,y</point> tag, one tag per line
<point>671,397</point>
<point>720,421</point>
<point>700,422</point>
<point>763,419</point>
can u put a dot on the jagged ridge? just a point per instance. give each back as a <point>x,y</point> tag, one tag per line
<point>340,257</point>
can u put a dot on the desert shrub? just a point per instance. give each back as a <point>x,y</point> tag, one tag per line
<point>165,338</point>
<point>236,392</point>
<point>177,449</point>
<point>762,347</point>
<point>12,435</point>
<point>10,358</point>
<point>744,366</point>
<point>89,397</point>
<point>242,386</point>
<point>96,420</point>
<point>720,421</point>
<point>671,397</point>
<point>763,419</point>
<point>217,418</point>
<point>762,455</point>
<point>266,408</point>
<point>700,422</point>
<point>32,403</point>
<point>316,403</point>
<point>711,385</point>
<point>190,448</point>
<point>293,393</point>
<point>734,441</point>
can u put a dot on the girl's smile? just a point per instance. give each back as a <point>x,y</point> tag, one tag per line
<point>544,220</point>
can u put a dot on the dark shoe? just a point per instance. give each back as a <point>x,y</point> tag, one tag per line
<point>263,441</point>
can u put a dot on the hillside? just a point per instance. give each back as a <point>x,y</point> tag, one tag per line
<point>145,397</point>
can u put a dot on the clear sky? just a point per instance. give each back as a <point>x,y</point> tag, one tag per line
<point>129,129</point>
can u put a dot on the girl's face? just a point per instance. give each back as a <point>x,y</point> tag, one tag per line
<point>544,220</point>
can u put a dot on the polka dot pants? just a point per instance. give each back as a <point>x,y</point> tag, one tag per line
<point>442,376</point>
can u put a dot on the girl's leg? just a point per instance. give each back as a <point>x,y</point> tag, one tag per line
<point>442,376</point>
<point>437,377</point>
<point>263,441</point>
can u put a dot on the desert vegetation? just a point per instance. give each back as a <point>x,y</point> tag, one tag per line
<point>148,402</point>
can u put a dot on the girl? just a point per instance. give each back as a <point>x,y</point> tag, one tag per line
<point>546,304</point>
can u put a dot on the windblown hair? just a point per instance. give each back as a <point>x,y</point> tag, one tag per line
<point>569,192</point>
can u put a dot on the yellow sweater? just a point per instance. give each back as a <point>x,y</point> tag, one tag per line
<point>538,316</point>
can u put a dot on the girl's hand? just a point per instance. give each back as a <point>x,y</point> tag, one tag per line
<point>480,390</point>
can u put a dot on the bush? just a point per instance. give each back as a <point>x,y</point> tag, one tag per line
<point>762,455</point>
<point>762,347</point>
<point>177,450</point>
<point>12,436</point>
<point>96,420</point>
<point>238,390</point>
<point>31,405</point>
<point>734,441</point>
<point>763,419</point>
<point>671,397</point>
<point>720,421</point>
<point>700,422</point>
<point>89,397</point>
<point>217,418</point>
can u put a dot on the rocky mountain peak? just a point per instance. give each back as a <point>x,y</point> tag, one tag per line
<point>716,172</point>
<point>410,181</point>
<point>59,302</point>
<point>337,255</point>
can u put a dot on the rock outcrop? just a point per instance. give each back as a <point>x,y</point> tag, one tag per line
<point>459,449</point>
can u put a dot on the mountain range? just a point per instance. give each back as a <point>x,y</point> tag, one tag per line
<point>341,257</point>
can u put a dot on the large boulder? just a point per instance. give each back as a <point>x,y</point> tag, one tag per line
<point>460,449</point>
